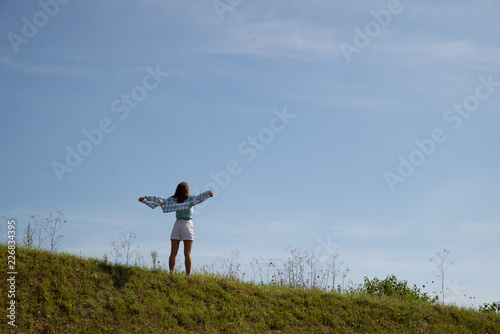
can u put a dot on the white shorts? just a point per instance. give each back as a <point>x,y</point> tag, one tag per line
<point>182,230</point>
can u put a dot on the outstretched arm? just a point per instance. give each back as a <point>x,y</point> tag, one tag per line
<point>201,197</point>
<point>152,201</point>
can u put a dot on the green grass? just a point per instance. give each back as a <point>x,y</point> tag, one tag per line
<point>61,293</point>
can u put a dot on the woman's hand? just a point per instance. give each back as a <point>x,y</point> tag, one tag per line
<point>142,198</point>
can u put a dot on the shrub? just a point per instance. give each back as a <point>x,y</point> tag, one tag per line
<point>490,308</point>
<point>392,287</point>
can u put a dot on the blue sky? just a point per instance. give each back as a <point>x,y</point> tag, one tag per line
<point>386,145</point>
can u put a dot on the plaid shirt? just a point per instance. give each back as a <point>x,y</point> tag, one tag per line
<point>170,204</point>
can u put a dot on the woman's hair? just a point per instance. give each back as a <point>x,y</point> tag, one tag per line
<point>182,192</point>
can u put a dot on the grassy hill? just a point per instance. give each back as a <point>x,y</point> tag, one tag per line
<point>60,293</point>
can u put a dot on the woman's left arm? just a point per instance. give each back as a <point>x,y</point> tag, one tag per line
<point>201,197</point>
<point>152,201</point>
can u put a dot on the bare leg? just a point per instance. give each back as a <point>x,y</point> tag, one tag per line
<point>188,245</point>
<point>173,254</point>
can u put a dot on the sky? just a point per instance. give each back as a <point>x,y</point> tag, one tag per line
<point>367,129</point>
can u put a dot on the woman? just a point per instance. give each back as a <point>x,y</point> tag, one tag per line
<point>182,202</point>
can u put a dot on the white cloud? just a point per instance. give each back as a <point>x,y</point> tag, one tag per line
<point>40,69</point>
<point>279,39</point>
<point>372,231</point>
<point>453,50</point>
<point>446,50</point>
<point>485,230</point>
<point>43,68</point>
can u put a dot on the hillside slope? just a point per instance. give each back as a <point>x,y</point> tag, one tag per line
<point>60,293</point>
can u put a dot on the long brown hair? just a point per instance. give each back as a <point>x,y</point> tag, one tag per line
<point>182,192</point>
